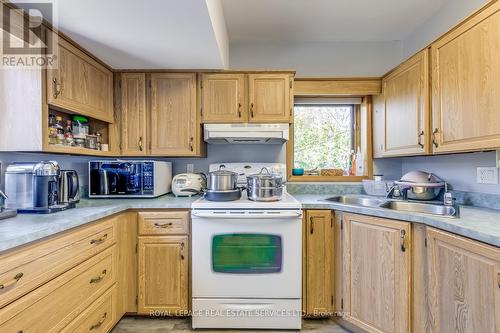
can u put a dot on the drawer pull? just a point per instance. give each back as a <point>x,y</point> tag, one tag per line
<point>99,323</point>
<point>164,225</point>
<point>182,251</point>
<point>99,240</point>
<point>12,282</point>
<point>99,278</point>
<point>498,278</point>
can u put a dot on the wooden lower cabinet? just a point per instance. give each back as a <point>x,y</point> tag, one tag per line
<point>163,275</point>
<point>464,284</point>
<point>318,263</point>
<point>376,273</point>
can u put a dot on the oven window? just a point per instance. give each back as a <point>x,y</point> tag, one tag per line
<point>246,253</point>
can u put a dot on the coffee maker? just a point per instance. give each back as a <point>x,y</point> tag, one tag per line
<point>39,188</point>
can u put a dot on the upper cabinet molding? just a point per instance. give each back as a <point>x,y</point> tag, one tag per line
<point>337,86</point>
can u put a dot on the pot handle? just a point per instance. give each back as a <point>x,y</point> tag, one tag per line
<point>264,169</point>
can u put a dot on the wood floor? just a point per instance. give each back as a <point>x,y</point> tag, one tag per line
<point>180,325</point>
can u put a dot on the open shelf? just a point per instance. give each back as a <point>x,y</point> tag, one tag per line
<point>95,125</point>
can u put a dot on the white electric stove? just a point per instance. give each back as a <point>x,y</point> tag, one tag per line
<point>247,259</point>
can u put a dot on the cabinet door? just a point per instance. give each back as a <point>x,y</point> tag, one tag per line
<point>378,126</point>
<point>174,129</point>
<point>223,98</point>
<point>318,293</point>
<point>466,84</point>
<point>80,84</point>
<point>464,283</point>
<point>163,275</point>
<point>377,273</point>
<point>406,99</point>
<point>134,120</point>
<point>269,97</point>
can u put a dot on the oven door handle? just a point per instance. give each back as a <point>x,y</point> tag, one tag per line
<point>248,216</point>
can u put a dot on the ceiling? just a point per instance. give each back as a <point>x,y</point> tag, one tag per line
<point>183,34</point>
<point>128,34</point>
<point>325,20</point>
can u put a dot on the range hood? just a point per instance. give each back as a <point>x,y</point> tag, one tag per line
<point>246,133</point>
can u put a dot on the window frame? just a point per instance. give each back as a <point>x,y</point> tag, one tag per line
<point>366,104</point>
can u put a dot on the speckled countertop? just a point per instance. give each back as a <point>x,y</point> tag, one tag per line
<point>476,223</point>
<point>25,228</point>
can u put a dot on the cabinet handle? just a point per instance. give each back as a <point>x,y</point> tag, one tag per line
<point>99,278</point>
<point>164,225</point>
<point>239,110</point>
<point>311,229</point>
<point>99,323</point>
<point>434,142</point>
<point>182,251</point>
<point>99,240</point>
<point>403,240</point>
<point>140,143</point>
<point>420,139</point>
<point>251,110</point>
<point>191,144</point>
<point>57,87</point>
<point>498,278</point>
<point>12,282</point>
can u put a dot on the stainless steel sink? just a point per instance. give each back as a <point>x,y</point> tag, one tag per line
<point>426,208</point>
<point>356,200</point>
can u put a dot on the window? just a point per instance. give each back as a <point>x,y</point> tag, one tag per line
<point>323,136</point>
<point>327,133</point>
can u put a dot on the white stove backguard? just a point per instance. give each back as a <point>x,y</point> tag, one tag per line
<point>247,169</point>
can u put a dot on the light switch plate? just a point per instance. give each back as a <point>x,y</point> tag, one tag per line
<point>498,158</point>
<point>487,175</point>
<point>190,168</point>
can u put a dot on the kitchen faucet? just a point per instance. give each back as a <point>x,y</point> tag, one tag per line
<point>397,191</point>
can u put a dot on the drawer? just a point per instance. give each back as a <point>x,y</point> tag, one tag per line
<point>164,223</point>
<point>30,267</point>
<point>53,306</point>
<point>98,317</point>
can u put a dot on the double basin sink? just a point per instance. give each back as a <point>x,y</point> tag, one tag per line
<point>406,206</point>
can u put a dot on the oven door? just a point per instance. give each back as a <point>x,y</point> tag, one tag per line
<point>245,254</point>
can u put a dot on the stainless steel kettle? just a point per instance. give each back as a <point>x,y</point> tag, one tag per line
<point>69,187</point>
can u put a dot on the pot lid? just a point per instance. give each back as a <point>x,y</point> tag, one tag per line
<point>265,174</point>
<point>421,178</point>
<point>223,172</point>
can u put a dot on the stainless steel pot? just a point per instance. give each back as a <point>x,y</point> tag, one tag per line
<point>222,180</point>
<point>265,193</point>
<point>422,185</point>
<point>265,186</point>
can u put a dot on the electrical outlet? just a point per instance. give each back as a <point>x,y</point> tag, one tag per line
<point>190,168</point>
<point>487,175</point>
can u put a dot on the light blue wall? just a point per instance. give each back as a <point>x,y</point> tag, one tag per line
<point>459,170</point>
<point>215,154</point>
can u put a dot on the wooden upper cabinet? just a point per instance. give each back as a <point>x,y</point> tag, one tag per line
<point>318,247</point>
<point>406,107</point>
<point>466,84</point>
<point>80,84</point>
<point>378,126</point>
<point>163,274</point>
<point>270,97</point>
<point>174,129</point>
<point>376,273</point>
<point>133,117</point>
<point>464,284</point>
<point>223,98</point>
